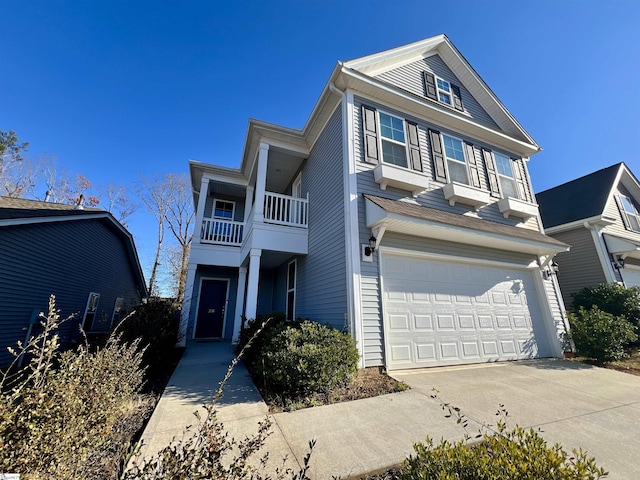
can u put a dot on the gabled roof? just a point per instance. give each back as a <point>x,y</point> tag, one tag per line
<point>580,199</point>
<point>19,211</point>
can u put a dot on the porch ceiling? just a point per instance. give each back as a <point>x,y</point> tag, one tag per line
<point>622,246</point>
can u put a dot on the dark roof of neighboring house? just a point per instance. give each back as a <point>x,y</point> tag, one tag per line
<point>13,208</point>
<point>455,219</point>
<point>582,198</point>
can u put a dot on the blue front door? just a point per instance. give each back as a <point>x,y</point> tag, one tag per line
<point>211,308</point>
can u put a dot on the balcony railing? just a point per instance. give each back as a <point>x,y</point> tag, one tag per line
<point>278,209</point>
<point>221,232</point>
<point>286,210</point>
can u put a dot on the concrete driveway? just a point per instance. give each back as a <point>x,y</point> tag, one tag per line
<point>575,404</point>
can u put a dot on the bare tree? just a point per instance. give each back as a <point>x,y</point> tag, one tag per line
<point>152,192</point>
<point>15,176</point>
<point>19,179</point>
<point>180,216</point>
<point>116,200</point>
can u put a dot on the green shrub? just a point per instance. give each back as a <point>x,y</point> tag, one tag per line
<point>508,455</point>
<point>255,330</point>
<point>601,335</point>
<point>612,298</point>
<point>306,357</point>
<point>155,325</point>
<point>70,415</point>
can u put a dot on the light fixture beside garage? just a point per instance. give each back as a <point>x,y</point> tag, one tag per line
<point>369,249</point>
<point>552,269</point>
<point>618,262</point>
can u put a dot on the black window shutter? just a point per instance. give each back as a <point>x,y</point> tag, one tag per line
<point>473,165</point>
<point>492,174</point>
<point>370,126</point>
<point>457,97</point>
<point>437,155</point>
<point>415,162</point>
<point>517,165</point>
<point>623,213</point>
<point>430,85</point>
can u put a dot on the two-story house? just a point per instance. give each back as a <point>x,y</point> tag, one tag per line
<point>598,215</point>
<point>402,212</point>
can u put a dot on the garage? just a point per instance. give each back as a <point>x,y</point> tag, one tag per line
<point>630,276</point>
<point>450,313</point>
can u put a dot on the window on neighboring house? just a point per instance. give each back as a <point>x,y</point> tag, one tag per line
<point>444,91</point>
<point>90,312</point>
<point>291,289</point>
<point>394,148</point>
<point>456,164</point>
<point>505,174</point>
<point>223,209</point>
<point>631,213</point>
<point>117,311</point>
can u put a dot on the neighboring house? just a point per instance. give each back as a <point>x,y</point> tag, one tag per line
<point>598,215</point>
<point>82,256</point>
<point>402,212</point>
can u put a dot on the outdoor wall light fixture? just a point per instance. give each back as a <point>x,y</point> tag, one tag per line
<point>552,269</point>
<point>368,250</point>
<point>618,263</point>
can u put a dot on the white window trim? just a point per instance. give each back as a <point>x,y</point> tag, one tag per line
<point>447,158</point>
<point>213,210</point>
<point>636,214</point>
<point>296,186</point>
<point>501,175</point>
<point>382,138</point>
<point>291,289</point>
<point>439,90</point>
<point>115,304</point>
<point>86,308</point>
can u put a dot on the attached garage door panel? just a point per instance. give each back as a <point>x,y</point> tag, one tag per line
<point>443,313</point>
<point>630,276</point>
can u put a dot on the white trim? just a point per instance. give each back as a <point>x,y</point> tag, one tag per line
<point>114,308</point>
<point>448,94</point>
<point>293,262</point>
<point>226,302</point>
<point>597,220</point>
<point>603,252</point>
<point>186,303</point>
<point>447,158</point>
<point>457,258</point>
<point>382,138</point>
<point>240,294</point>
<point>352,232</point>
<point>549,326</point>
<point>296,186</point>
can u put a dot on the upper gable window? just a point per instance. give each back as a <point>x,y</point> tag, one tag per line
<point>394,148</point>
<point>444,91</point>
<point>456,164</point>
<point>505,174</point>
<point>631,213</point>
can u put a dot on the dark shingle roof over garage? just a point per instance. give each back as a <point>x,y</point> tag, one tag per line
<point>13,208</point>
<point>582,198</point>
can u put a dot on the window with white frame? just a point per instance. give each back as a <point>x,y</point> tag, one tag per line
<point>394,145</point>
<point>444,90</point>
<point>223,209</point>
<point>90,311</point>
<point>505,174</point>
<point>631,213</point>
<point>291,289</point>
<point>117,311</point>
<point>456,163</point>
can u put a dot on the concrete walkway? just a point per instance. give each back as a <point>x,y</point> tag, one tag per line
<point>574,404</point>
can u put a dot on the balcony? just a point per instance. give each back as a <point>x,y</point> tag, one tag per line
<point>282,210</point>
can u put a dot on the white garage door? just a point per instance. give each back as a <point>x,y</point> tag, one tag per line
<point>630,276</point>
<point>446,313</point>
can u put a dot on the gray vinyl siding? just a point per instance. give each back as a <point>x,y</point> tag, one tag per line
<point>433,196</point>
<point>68,259</point>
<point>321,276</point>
<point>611,210</point>
<point>554,297</point>
<point>580,267</point>
<point>410,78</point>
<point>238,214</point>
<point>265,292</point>
<point>371,296</point>
<point>223,273</point>
<point>279,300</point>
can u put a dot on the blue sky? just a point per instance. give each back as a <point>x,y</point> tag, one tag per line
<point>115,89</point>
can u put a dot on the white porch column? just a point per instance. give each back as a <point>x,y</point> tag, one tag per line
<point>186,304</point>
<point>261,182</point>
<point>202,201</point>
<point>248,199</point>
<point>242,280</point>
<point>252,285</point>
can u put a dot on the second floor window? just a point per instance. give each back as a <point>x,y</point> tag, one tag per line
<point>456,164</point>
<point>505,174</point>
<point>394,148</point>
<point>631,213</point>
<point>444,91</point>
<point>223,210</point>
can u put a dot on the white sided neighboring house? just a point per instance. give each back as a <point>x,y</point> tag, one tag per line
<point>401,212</point>
<point>599,216</point>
